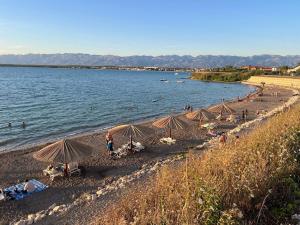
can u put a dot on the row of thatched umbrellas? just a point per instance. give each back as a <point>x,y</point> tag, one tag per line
<point>68,150</point>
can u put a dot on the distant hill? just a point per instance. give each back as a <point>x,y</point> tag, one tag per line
<point>186,61</point>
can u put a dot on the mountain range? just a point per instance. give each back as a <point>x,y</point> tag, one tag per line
<point>185,61</point>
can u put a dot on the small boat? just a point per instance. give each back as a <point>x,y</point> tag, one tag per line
<point>180,81</point>
<point>176,73</point>
<point>163,80</point>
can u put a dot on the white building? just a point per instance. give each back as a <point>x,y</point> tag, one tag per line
<point>294,69</point>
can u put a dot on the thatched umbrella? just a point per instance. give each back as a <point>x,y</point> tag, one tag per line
<point>201,115</point>
<point>170,122</point>
<point>64,151</point>
<point>222,108</point>
<point>131,131</point>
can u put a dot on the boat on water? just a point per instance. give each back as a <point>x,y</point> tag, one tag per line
<point>176,73</point>
<point>180,81</point>
<point>163,80</point>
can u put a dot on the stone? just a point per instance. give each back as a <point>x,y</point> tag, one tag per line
<point>30,221</point>
<point>31,216</point>
<point>51,213</point>
<point>52,206</point>
<point>21,222</point>
<point>38,218</point>
<point>99,192</point>
<point>296,217</point>
<point>56,208</point>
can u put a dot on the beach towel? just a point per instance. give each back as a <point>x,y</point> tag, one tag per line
<point>19,187</point>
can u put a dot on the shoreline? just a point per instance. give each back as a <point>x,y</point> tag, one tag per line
<point>81,134</point>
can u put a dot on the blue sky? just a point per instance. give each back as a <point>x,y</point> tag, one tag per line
<point>150,27</point>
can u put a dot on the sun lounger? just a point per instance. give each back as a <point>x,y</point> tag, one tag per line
<point>73,168</point>
<point>137,147</point>
<point>15,191</point>
<point>209,125</point>
<point>125,149</point>
<point>54,172</point>
<point>168,141</point>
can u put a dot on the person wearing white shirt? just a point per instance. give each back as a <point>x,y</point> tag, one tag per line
<point>29,186</point>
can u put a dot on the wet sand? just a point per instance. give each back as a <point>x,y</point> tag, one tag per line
<point>101,169</point>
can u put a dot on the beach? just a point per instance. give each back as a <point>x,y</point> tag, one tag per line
<point>101,170</point>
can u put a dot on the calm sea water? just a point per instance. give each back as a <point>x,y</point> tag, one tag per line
<point>59,102</point>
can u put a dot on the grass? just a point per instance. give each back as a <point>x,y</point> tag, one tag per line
<point>254,181</point>
<point>233,76</point>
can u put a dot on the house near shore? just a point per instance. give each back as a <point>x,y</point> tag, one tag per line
<point>293,70</point>
<point>265,69</point>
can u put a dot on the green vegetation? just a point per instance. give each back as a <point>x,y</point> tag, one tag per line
<point>253,181</point>
<point>225,75</point>
<point>221,76</point>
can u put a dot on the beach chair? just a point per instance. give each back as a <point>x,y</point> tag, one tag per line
<point>168,141</point>
<point>137,147</point>
<point>54,172</point>
<point>73,168</point>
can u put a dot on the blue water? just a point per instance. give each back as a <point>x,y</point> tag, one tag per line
<point>59,102</point>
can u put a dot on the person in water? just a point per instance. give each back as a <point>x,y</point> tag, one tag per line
<point>23,125</point>
<point>9,125</point>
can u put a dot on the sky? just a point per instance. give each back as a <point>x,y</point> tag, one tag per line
<point>150,27</point>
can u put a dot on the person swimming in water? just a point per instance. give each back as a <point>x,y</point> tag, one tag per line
<point>23,125</point>
<point>9,125</point>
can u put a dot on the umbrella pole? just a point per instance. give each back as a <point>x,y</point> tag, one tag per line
<point>130,142</point>
<point>66,174</point>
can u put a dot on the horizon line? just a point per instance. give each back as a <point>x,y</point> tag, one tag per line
<point>146,55</point>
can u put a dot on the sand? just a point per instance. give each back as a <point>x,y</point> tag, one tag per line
<point>101,170</point>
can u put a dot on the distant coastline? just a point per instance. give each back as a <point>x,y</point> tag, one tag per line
<point>130,68</point>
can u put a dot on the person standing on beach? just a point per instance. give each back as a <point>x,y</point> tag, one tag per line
<point>246,115</point>
<point>243,115</point>
<point>109,142</point>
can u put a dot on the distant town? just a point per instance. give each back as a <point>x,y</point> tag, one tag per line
<point>283,70</point>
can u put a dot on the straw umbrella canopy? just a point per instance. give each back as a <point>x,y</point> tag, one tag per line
<point>170,122</point>
<point>201,115</point>
<point>131,131</point>
<point>64,151</point>
<point>222,108</point>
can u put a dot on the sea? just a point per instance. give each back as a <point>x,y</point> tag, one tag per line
<point>59,102</point>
